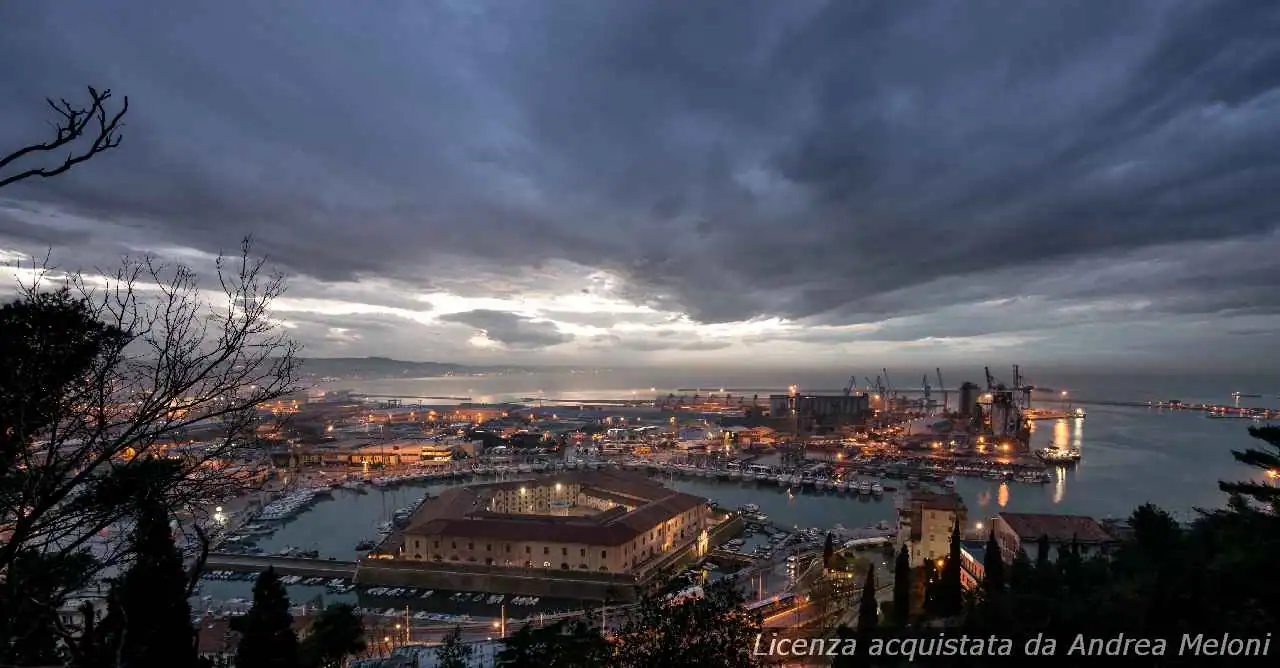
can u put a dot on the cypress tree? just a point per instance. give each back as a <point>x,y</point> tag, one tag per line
<point>829,551</point>
<point>1042,552</point>
<point>868,611</point>
<point>950,589</point>
<point>148,620</point>
<point>902,588</point>
<point>993,568</point>
<point>267,639</point>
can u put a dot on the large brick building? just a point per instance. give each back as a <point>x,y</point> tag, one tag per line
<point>597,522</point>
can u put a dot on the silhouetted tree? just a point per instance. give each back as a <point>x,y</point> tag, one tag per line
<point>1042,552</point>
<point>829,551</point>
<point>950,597</point>
<point>80,133</point>
<point>453,653</point>
<point>561,645</point>
<point>1266,494</point>
<point>712,630</point>
<point>148,620</point>
<point>902,588</point>
<point>868,611</point>
<point>336,633</point>
<point>993,568</point>
<point>31,591</point>
<point>90,377</point>
<point>267,639</point>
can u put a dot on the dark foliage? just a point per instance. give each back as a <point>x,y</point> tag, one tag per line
<point>902,588</point>
<point>993,569</point>
<point>267,639</point>
<point>561,645</point>
<point>1265,494</point>
<point>949,596</point>
<point>148,620</point>
<point>336,633</point>
<point>453,653</point>
<point>35,586</point>
<point>868,610</point>
<point>711,631</point>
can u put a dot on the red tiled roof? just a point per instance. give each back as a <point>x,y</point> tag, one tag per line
<point>459,512</point>
<point>1059,528</point>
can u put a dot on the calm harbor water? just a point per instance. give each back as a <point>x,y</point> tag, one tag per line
<point>1130,456</point>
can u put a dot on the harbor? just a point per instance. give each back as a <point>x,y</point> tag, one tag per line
<point>789,492</point>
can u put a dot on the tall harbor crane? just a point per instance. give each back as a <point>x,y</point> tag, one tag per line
<point>926,390</point>
<point>1021,387</point>
<point>848,388</point>
<point>942,387</point>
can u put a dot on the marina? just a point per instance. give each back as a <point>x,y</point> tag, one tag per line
<point>787,496</point>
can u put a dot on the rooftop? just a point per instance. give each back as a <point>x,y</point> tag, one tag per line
<point>937,500</point>
<point>461,512</point>
<point>1059,528</point>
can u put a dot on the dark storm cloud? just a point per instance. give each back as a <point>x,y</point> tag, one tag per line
<point>835,161</point>
<point>510,329</point>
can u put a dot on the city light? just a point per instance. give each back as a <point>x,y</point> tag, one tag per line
<point>978,526</point>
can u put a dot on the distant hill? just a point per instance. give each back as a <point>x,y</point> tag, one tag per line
<point>382,367</point>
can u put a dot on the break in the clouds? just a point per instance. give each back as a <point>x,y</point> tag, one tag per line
<point>767,182</point>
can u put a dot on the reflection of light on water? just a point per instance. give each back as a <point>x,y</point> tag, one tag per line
<point>1059,484</point>
<point>1077,434</point>
<point>1002,497</point>
<point>1060,434</point>
<point>984,497</point>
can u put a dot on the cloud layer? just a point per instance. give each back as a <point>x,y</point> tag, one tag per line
<point>790,182</point>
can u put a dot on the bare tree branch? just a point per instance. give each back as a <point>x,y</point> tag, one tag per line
<point>72,124</point>
<point>186,380</point>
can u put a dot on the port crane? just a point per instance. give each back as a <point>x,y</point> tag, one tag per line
<point>927,400</point>
<point>943,388</point>
<point>848,388</point>
<point>1021,388</point>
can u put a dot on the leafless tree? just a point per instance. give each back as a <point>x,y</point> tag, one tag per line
<point>189,364</point>
<point>74,125</point>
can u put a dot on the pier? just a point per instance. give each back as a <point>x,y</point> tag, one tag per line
<point>307,568</point>
<point>408,396</point>
<point>1174,405</point>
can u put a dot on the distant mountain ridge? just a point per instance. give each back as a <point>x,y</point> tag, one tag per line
<point>383,367</point>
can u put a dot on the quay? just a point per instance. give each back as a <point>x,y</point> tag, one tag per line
<point>307,568</point>
<point>1176,405</point>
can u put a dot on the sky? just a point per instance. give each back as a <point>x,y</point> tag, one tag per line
<point>650,183</point>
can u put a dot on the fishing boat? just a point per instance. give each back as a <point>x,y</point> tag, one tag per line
<point>876,488</point>
<point>864,488</point>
